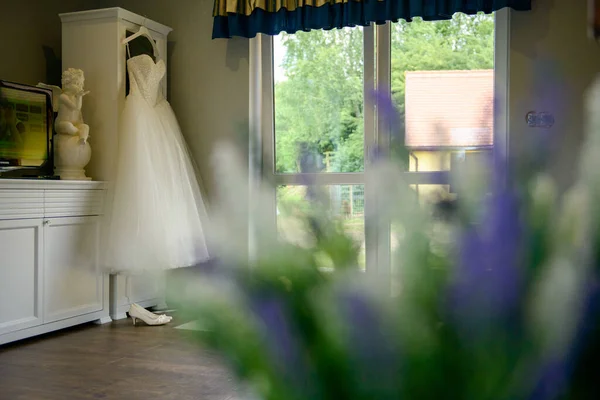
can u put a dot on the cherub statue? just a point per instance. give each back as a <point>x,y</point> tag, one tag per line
<point>70,120</point>
<point>72,150</point>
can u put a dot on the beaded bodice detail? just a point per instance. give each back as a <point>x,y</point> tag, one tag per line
<point>145,77</point>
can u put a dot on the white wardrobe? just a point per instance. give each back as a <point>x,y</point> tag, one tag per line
<point>92,41</point>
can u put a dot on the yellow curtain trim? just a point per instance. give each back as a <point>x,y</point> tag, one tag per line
<point>246,7</point>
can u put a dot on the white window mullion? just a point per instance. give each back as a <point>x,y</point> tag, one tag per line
<point>384,82</point>
<point>370,130</point>
<point>254,139</point>
<point>377,228</point>
<point>261,142</point>
<point>501,85</point>
<point>268,105</point>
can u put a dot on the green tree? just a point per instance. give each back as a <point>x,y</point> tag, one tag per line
<point>319,104</point>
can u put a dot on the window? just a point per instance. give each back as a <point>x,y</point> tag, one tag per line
<point>310,90</point>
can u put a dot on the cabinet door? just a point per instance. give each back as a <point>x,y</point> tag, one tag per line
<point>73,280</point>
<point>21,274</point>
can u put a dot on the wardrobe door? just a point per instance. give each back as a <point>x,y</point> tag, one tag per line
<point>73,282</point>
<point>21,274</point>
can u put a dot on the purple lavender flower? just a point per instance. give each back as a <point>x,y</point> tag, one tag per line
<point>385,107</point>
<point>551,382</point>
<point>488,280</point>
<point>373,344</point>
<point>366,333</point>
<point>580,363</point>
<point>389,114</point>
<point>281,340</point>
<point>309,165</point>
<point>285,346</point>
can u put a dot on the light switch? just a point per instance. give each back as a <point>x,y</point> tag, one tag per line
<point>546,120</point>
<point>539,120</point>
<point>531,119</point>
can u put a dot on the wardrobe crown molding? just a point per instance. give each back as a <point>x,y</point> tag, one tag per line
<point>115,13</point>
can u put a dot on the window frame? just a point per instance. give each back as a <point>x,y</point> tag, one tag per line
<point>377,73</point>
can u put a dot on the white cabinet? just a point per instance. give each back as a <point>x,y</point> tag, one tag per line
<point>92,41</point>
<point>21,274</point>
<point>50,277</point>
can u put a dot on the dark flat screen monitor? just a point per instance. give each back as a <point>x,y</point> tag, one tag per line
<point>26,127</point>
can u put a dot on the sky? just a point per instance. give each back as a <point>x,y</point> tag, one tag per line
<point>278,54</point>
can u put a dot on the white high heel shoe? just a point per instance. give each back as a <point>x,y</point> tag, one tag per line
<point>149,314</point>
<point>135,312</point>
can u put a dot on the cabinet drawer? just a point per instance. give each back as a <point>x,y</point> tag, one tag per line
<point>21,204</point>
<point>73,203</point>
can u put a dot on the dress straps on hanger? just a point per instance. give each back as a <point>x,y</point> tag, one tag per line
<point>128,53</point>
<point>143,31</point>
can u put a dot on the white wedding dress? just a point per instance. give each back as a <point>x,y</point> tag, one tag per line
<point>156,214</point>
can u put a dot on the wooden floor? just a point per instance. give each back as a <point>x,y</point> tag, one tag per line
<point>114,361</point>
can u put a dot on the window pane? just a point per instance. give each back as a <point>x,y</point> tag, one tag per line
<point>318,78</point>
<point>345,203</point>
<point>443,84</point>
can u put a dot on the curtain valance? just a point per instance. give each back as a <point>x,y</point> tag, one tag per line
<point>246,18</point>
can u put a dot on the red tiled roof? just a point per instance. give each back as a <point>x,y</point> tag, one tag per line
<point>449,108</point>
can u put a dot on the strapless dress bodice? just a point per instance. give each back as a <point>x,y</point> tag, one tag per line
<point>145,76</point>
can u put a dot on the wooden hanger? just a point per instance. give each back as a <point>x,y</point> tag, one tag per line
<point>143,31</point>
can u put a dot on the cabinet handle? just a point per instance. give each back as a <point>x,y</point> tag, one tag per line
<point>47,222</point>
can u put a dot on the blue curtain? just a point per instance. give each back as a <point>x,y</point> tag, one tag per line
<point>246,18</point>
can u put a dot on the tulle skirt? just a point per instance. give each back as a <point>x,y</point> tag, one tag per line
<point>155,213</point>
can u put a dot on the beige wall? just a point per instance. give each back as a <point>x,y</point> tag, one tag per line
<point>208,79</point>
<point>26,26</point>
<point>552,62</point>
